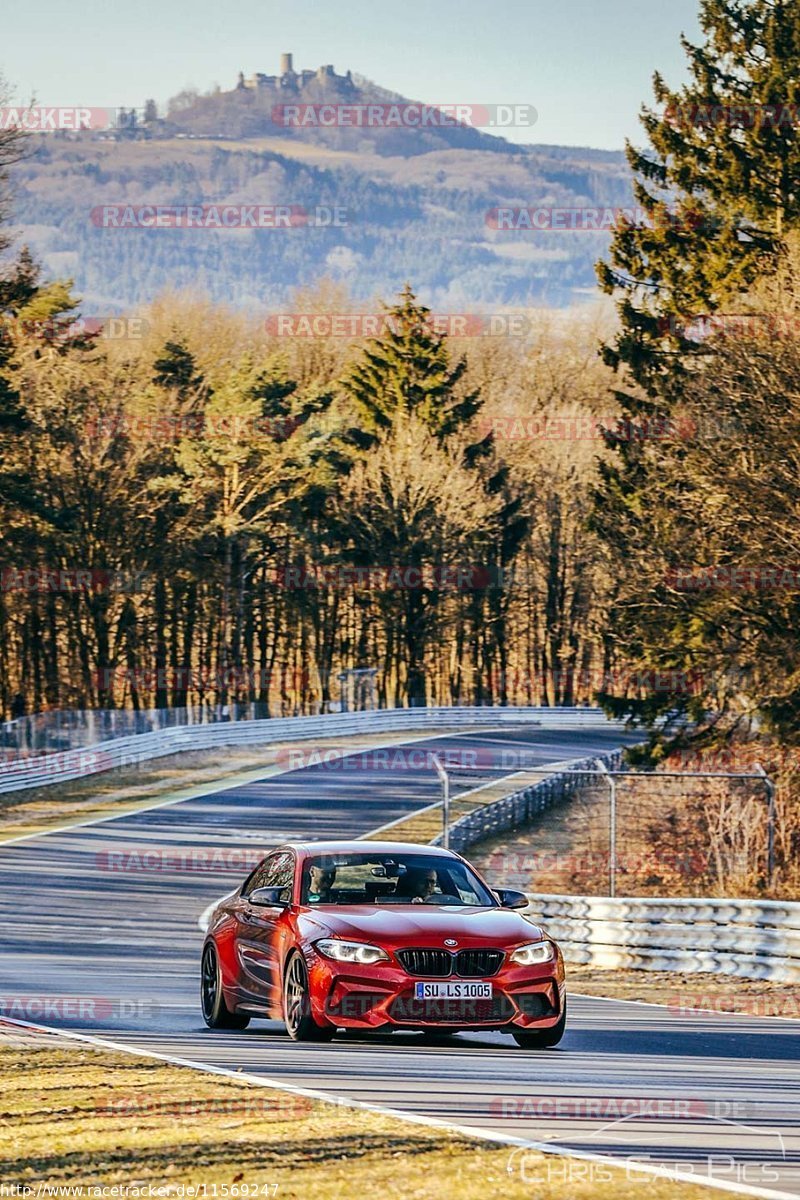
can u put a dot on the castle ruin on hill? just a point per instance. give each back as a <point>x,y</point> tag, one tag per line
<point>289,80</point>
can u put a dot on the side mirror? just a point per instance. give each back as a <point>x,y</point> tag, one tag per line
<point>267,897</point>
<point>510,899</point>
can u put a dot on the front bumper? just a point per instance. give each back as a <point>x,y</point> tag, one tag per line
<point>350,996</point>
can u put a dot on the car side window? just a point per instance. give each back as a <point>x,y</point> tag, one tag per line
<point>277,870</point>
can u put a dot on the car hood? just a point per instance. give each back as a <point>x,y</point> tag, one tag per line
<point>421,925</point>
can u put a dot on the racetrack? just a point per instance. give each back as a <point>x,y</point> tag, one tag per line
<point>99,933</point>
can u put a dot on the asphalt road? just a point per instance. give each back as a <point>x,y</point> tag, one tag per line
<point>99,933</point>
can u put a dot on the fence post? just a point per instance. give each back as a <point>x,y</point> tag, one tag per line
<point>612,832</point>
<point>445,780</point>
<point>770,790</point>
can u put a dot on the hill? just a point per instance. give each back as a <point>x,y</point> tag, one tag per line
<point>413,203</point>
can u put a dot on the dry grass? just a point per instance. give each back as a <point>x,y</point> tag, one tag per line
<point>686,992</point>
<point>675,837</point>
<point>425,826</point>
<point>78,1116</point>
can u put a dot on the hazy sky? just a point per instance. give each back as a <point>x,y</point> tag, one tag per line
<point>586,65</point>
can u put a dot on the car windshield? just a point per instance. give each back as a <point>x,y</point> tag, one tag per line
<point>392,879</point>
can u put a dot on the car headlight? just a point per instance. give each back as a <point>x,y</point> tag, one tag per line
<point>534,952</point>
<point>355,952</point>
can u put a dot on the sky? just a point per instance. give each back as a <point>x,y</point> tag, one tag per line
<point>585,65</point>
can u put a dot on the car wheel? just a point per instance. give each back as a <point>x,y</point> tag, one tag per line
<point>300,1024</point>
<point>216,1013</point>
<point>541,1039</point>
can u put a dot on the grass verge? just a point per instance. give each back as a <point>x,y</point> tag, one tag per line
<point>424,826</point>
<point>686,993</point>
<point>80,1117</point>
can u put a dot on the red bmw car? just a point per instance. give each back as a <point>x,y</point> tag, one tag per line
<point>379,936</point>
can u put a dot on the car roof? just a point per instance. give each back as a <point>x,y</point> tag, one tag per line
<point>331,847</point>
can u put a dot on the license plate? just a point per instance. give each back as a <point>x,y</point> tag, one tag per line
<point>453,991</point>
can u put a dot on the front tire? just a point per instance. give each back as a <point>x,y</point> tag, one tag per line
<point>216,1013</point>
<point>300,1024</point>
<point>542,1039</point>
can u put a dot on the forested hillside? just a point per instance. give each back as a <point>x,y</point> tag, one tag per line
<point>420,217</point>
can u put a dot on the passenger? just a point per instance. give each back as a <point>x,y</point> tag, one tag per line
<point>320,882</point>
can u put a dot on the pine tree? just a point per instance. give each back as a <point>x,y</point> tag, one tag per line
<point>175,370</point>
<point>407,376</point>
<point>18,283</point>
<point>717,187</point>
<point>407,369</point>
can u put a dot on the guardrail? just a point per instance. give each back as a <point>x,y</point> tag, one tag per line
<point>63,729</point>
<point>22,773</point>
<point>520,807</point>
<point>757,939</point>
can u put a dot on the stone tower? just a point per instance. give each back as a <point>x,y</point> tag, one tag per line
<point>286,65</point>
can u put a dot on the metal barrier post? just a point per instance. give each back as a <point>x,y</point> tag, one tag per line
<point>770,790</point>
<point>612,832</point>
<point>445,780</point>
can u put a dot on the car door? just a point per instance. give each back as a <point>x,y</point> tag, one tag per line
<point>261,933</point>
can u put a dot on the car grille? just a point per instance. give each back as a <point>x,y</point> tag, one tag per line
<point>406,1010</point>
<point>426,962</point>
<point>469,964</point>
<point>478,963</point>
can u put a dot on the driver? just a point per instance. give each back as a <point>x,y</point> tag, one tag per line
<point>320,882</point>
<point>417,884</point>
